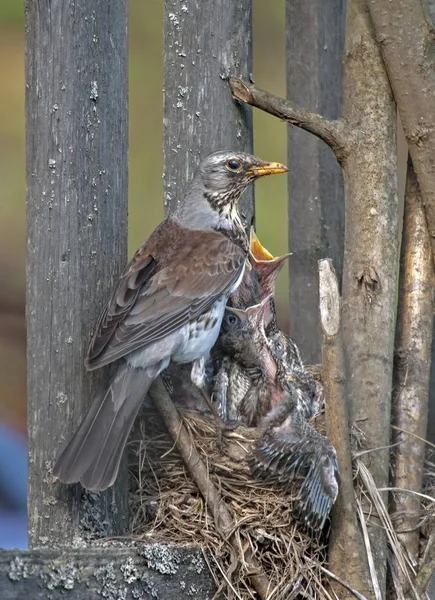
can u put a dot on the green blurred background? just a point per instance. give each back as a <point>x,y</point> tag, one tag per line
<point>145,183</point>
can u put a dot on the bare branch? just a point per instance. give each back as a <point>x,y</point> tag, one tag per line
<point>335,133</point>
<point>407,45</point>
<point>412,365</point>
<point>198,471</point>
<point>346,550</point>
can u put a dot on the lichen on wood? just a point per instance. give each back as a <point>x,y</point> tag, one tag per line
<point>137,571</point>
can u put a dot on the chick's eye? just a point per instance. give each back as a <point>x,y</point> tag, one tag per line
<point>230,321</point>
<point>234,164</point>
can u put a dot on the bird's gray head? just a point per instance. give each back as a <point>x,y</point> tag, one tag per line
<point>218,183</point>
<point>225,175</point>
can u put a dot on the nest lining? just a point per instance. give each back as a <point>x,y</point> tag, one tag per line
<point>166,506</point>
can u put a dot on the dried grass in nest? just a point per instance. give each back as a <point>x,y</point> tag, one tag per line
<point>166,506</point>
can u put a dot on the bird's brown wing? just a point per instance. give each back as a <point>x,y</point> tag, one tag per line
<point>176,276</point>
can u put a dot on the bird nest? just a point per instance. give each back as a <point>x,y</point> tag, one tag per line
<point>167,506</point>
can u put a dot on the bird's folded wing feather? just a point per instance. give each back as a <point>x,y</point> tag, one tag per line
<point>176,276</point>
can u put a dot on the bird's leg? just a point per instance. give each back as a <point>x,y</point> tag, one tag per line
<point>198,378</point>
<point>220,390</point>
<point>197,374</point>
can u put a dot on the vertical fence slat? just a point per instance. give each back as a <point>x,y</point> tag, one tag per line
<point>76,114</point>
<point>204,43</point>
<point>315,45</point>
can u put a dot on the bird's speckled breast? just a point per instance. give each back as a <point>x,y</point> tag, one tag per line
<point>202,333</point>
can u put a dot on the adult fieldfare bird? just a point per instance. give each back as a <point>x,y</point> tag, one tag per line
<point>167,306</point>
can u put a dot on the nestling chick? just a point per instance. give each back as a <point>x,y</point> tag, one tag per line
<point>282,347</point>
<point>242,384</point>
<point>294,455</point>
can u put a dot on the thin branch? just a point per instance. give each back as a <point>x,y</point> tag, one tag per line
<point>406,491</point>
<point>335,133</point>
<point>197,469</point>
<point>373,572</point>
<point>346,549</point>
<point>417,437</point>
<point>412,364</point>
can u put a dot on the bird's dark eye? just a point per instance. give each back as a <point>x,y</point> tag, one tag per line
<point>233,164</point>
<point>230,321</point>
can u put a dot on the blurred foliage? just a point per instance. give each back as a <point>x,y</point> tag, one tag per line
<point>11,13</point>
<point>146,165</point>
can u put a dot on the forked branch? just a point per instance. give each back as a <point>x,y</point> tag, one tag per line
<point>335,133</point>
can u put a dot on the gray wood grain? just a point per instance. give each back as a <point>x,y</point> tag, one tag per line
<point>205,42</point>
<point>315,45</point>
<point>76,118</point>
<point>146,571</point>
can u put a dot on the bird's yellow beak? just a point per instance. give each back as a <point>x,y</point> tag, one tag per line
<point>266,168</point>
<point>258,251</point>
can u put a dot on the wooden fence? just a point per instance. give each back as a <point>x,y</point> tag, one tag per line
<point>77,117</point>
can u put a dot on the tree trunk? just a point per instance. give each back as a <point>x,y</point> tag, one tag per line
<point>430,4</point>
<point>370,250</point>
<point>76,119</point>
<point>315,46</point>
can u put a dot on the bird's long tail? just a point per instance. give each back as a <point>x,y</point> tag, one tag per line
<point>94,453</point>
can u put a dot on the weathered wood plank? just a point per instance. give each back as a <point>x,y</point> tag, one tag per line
<point>141,572</point>
<point>315,46</point>
<point>205,42</point>
<point>76,117</point>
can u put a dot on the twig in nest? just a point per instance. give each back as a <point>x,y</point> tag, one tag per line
<point>403,565</point>
<point>221,514</point>
<point>373,573</point>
